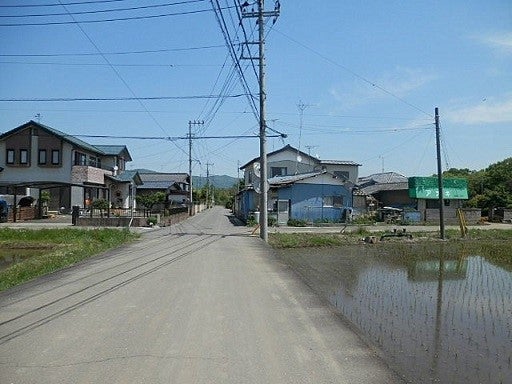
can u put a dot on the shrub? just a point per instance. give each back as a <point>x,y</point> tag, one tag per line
<point>297,223</point>
<point>152,220</point>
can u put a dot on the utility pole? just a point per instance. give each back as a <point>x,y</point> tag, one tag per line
<point>439,175</point>
<point>190,196</point>
<point>260,14</point>
<point>263,138</point>
<point>238,177</point>
<point>208,185</point>
<point>301,107</point>
<point>310,147</point>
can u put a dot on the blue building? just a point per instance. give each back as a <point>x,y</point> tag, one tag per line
<point>301,187</point>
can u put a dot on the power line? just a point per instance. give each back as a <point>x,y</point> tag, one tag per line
<point>113,53</point>
<point>118,74</point>
<point>71,99</point>
<point>104,10</point>
<point>60,4</point>
<point>103,64</point>
<point>171,138</point>
<point>105,20</point>
<point>229,44</point>
<point>355,74</point>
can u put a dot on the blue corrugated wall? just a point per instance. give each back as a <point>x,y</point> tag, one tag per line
<point>307,201</point>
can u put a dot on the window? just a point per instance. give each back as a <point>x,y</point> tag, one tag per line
<point>55,156</point>
<point>10,156</point>
<point>80,158</point>
<point>23,156</point>
<point>42,156</point>
<point>278,171</point>
<point>333,201</point>
<point>343,175</point>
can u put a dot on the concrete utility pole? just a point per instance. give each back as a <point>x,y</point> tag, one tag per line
<point>208,185</point>
<point>190,196</point>
<point>263,138</point>
<point>439,175</point>
<point>261,14</point>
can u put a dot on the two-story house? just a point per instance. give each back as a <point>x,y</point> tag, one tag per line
<point>176,186</point>
<point>34,157</point>
<point>300,187</point>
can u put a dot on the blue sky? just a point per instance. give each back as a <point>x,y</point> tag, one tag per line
<point>345,80</point>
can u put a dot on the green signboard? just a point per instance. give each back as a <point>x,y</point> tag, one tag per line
<point>428,188</point>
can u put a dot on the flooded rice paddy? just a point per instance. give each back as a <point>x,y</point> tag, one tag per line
<point>438,316</point>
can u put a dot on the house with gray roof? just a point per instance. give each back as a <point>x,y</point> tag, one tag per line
<point>174,185</point>
<point>301,187</point>
<point>379,190</point>
<point>36,157</point>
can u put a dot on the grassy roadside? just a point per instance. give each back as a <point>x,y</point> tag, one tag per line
<point>61,248</point>
<point>494,245</point>
<point>300,240</point>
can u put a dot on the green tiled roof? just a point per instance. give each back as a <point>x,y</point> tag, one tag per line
<point>114,150</point>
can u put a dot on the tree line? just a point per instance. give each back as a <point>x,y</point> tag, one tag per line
<point>487,188</point>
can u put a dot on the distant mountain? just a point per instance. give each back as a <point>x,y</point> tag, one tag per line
<point>218,181</point>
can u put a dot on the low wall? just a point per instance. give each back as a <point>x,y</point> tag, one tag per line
<point>22,213</point>
<point>473,216</point>
<point>163,221</point>
<point>111,222</point>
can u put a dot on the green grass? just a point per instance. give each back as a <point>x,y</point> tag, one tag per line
<point>494,245</point>
<point>300,240</point>
<point>65,247</point>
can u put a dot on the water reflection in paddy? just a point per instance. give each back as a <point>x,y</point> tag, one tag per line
<point>437,319</point>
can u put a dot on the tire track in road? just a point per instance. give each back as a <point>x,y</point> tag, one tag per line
<point>20,330</point>
<point>136,250</point>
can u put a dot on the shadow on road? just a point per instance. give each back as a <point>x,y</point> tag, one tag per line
<point>235,221</point>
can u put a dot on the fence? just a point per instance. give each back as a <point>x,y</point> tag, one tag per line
<point>127,217</point>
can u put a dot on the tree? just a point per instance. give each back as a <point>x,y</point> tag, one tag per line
<point>150,200</point>
<point>100,204</point>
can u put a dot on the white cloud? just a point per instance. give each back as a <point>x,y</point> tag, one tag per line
<point>398,84</point>
<point>500,41</point>
<point>487,112</point>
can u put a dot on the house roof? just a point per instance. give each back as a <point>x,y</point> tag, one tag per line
<point>280,180</point>
<point>126,177</point>
<point>156,184</point>
<point>382,178</point>
<point>115,150</point>
<point>64,136</point>
<point>106,150</point>
<point>168,178</point>
<point>285,148</point>
<point>375,188</point>
<point>339,162</point>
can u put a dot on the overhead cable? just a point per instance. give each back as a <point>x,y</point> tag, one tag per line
<point>112,53</point>
<point>105,20</point>
<point>60,4</point>
<point>104,10</point>
<point>70,99</point>
<point>355,74</point>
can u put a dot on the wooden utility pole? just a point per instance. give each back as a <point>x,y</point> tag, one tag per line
<point>439,175</point>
